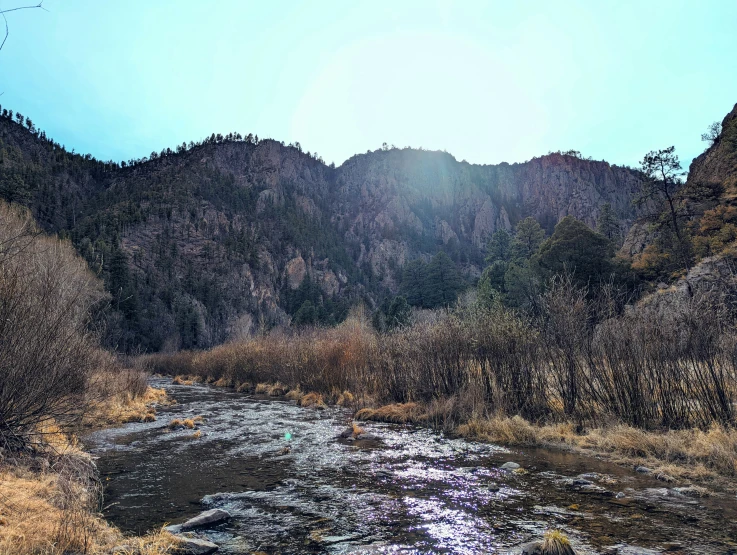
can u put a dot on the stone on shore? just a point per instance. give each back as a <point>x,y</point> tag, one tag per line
<point>207,518</point>
<point>195,546</point>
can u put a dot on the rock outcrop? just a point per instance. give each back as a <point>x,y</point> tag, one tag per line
<point>191,242</point>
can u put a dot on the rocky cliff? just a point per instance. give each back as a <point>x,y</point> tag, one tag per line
<point>226,235</point>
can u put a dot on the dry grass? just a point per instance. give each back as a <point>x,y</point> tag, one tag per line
<point>245,387</point>
<point>196,435</point>
<point>312,399</point>
<point>357,430</point>
<point>555,542</point>
<point>263,389</point>
<point>668,365</point>
<point>345,399</point>
<point>224,382</point>
<point>397,413</point>
<point>707,457</point>
<point>50,513</point>
<point>125,407</point>
<point>501,430</point>
<point>295,394</point>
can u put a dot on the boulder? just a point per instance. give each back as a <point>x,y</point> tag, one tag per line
<point>510,466</point>
<point>207,518</point>
<point>195,546</point>
<point>532,548</point>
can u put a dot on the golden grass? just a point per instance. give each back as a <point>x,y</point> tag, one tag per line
<point>398,413</point>
<point>263,388</point>
<point>223,382</point>
<point>47,514</point>
<point>124,407</point>
<point>278,389</point>
<point>295,394</point>
<point>245,387</point>
<point>357,430</point>
<point>312,399</point>
<point>196,435</point>
<point>345,399</point>
<point>707,456</point>
<point>555,542</point>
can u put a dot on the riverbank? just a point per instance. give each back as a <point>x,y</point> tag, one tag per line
<point>298,479</point>
<point>50,496</point>
<point>643,388</point>
<point>705,461</point>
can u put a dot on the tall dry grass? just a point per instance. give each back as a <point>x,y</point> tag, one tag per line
<point>574,365</point>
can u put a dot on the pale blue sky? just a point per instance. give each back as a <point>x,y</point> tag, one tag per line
<point>486,81</point>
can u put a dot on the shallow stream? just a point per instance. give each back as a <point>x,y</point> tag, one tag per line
<point>293,486</point>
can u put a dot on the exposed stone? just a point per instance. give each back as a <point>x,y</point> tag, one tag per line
<point>206,518</point>
<point>195,546</point>
<point>532,548</point>
<point>510,466</point>
<point>296,271</point>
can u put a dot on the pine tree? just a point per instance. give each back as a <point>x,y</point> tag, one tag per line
<point>499,247</point>
<point>528,237</point>
<point>443,282</point>
<point>607,223</point>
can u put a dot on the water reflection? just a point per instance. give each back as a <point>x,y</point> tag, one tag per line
<point>414,491</point>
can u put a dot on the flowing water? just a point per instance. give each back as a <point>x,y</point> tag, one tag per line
<point>294,486</point>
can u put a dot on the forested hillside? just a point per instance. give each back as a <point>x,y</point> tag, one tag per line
<point>222,237</point>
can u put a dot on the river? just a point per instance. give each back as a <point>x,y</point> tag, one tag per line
<point>294,486</point>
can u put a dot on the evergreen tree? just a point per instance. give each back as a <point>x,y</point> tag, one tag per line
<point>306,315</point>
<point>499,247</point>
<point>576,248</point>
<point>607,223</point>
<point>443,282</point>
<point>528,237</point>
<point>413,282</point>
<point>399,313</point>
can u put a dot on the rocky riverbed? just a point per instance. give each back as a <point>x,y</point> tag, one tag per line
<point>291,484</point>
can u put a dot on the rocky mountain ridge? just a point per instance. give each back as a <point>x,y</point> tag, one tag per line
<point>215,240</point>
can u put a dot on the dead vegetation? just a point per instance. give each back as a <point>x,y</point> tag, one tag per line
<point>49,507</point>
<point>576,372</point>
<point>54,379</point>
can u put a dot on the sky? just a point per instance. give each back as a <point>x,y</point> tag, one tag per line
<point>487,81</point>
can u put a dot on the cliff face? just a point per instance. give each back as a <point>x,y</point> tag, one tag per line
<point>400,198</point>
<point>718,164</point>
<point>201,244</point>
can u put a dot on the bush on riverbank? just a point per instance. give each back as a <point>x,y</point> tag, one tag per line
<point>49,507</point>
<point>572,365</point>
<point>54,378</point>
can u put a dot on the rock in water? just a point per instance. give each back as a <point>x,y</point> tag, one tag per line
<point>510,466</point>
<point>532,548</point>
<point>213,516</point>
<point>195,546</point>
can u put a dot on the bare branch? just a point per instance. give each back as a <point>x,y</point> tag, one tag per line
<point>3,12</point>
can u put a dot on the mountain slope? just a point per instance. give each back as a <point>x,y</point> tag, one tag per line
<point>233,233</point>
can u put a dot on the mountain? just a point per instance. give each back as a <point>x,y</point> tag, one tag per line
<point>217,238</point>
<point>705,210</point>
